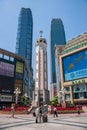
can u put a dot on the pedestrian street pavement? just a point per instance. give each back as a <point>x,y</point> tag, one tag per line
<point>27,122</point>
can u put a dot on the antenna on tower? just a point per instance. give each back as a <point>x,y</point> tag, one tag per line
<point>41,32</point>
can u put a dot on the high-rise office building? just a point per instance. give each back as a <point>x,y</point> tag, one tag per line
<point>24,35</point>
<point>57,38</point>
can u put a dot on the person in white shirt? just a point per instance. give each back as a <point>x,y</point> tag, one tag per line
<point>38,115</point>
<point>55,112</point>
<point>12,109</point>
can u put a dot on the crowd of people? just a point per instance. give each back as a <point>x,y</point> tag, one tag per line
<point>41,112</point>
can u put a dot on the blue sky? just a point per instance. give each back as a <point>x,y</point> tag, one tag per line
<point>72,12</point>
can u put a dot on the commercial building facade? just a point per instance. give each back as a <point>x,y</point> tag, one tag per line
<point>14,73</point>
<point>58,50</point>
<point>73,67</point>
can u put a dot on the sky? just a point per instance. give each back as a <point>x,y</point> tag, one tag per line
<point>72,12</point>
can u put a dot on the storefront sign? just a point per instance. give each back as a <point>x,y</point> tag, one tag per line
<point>74,47</point>
<point>78,82</point>
<point>6,98</point>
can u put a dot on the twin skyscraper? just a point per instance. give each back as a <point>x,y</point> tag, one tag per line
<point>25,36</point>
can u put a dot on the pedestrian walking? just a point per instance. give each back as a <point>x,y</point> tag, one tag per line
<point>45,112</point>
<point>12,109</point>
<point>49,110</point>
<point>55,112</point>
<point>78,110</point>
<point>38,115</point>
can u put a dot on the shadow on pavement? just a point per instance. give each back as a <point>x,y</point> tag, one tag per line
<point>15,125</point>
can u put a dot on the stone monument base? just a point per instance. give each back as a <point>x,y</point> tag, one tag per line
<point>63,105</point>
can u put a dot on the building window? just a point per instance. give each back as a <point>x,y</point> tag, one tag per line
<point>6,57</point>
<point>1,56</point>
<point>36,84</point>
<point>67,89</point>
<point>36,75</point>
<point>67,96</point>
<point>36,57</point>
<point>36,66</point>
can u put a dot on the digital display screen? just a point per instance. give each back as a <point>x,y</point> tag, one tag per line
<point>19,67</point>
<point>6,84</point>
<point>6,69</point>
<point>75,66</point>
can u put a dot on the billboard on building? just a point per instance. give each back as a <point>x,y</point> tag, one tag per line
<point>6,69</point>
<point>19,70</point>
<point>6,98</point>
<point>75,66</point>
<point>19,67</point>
<point>6,77</point>
<point>6,84</point>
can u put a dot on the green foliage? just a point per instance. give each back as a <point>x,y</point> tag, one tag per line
<point>25,100</point>
<point>54,101</point>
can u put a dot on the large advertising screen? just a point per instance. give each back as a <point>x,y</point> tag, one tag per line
<point>6,69</point>
<point>19,70</point>
<point>75,66</point>
<point>6,84</point>
<point>19,67</point>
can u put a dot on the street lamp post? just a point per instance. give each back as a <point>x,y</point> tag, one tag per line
<point>26,95</point>
<point>17,92</point>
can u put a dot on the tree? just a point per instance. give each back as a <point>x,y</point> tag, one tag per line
<point>25,100</point>
<point>54,101</point>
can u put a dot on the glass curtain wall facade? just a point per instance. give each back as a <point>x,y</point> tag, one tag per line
<point>24,35</point>
<point>57,38</point>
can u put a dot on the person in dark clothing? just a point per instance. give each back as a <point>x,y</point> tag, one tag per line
<point>55,112</point>
<point>78,110</point>
<point>34,114</point>
<point>40,114</point>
